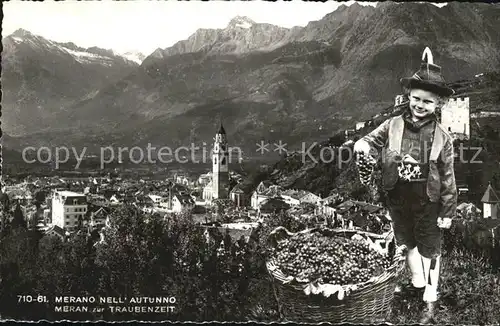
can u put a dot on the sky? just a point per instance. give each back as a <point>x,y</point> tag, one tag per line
<point>147,25</point>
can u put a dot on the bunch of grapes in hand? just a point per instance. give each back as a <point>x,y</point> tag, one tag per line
<point>366,166</point>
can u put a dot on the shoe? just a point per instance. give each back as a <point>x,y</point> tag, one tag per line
<point>429,313</point>
<point>409,291</point>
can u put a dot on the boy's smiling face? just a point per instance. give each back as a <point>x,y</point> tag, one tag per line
<point>422,103</point>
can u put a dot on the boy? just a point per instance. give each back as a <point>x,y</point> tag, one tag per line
<point>417,173</point>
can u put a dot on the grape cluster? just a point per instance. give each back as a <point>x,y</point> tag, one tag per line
<point>366,165</point>
<point>329,260</point>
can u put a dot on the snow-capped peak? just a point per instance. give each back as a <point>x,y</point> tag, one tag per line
<point>20,33</point>
<point>241,22</point>
<point>134,56</point>
<point>82,55</point>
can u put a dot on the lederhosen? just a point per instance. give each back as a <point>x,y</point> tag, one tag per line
<point>414,215</point>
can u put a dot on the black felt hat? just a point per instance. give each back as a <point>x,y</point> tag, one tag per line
<point>428,77</point>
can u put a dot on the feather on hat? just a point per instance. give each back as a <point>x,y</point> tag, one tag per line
<point>428,77</point>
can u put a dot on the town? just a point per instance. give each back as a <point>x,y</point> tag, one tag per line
<point>61,206</point>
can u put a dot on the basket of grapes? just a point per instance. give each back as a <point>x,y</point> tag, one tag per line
<point>334,275</point>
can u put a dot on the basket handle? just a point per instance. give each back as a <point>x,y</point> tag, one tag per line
<point>400,253</point>
<point>278,234</point>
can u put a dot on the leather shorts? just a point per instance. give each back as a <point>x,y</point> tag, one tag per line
<point>414,218</point>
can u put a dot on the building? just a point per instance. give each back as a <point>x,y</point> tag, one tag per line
<point>38,222</point>
<point>182,202</point>
<point>264,191</point>
<point>297,197</point>
<point>67,208</point>
<point>98,216</point>
<point>348,133</point>
<point>55,231</point>
<point>350,207</point>
<point>309,197</point>
<point>399,100</point>
<point>114,200</point>
<point>22,195</point>
<point>218,187</point>
<point>241,232</point>
<point>291,197</point>
<point>160,201</point>
<point>97,200</point>
<point>273,205</point>
<point>490,202</point>
<point>455,116</point>
<point>325,208</point>
<point>220,164</point>
<point>360,125</point>
<point>204,179</point>
<point>234,176</point>
<point>238,196</point>
<point>183,180</point>
<point>208,192</point>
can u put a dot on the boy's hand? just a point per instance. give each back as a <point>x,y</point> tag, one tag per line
<point>409,159</point>
<point>444,223</point>
<point>362,146</point>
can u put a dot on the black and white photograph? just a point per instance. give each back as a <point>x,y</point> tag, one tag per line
<point>250,161</point>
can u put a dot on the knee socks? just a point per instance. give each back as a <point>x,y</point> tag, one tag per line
<point>431,272</point>
<point>414,260</point>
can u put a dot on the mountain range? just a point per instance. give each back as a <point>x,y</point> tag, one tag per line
<point>264,82</point>
<point>42,79</point>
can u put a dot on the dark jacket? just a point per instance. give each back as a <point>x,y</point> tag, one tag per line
<point>441,186</point>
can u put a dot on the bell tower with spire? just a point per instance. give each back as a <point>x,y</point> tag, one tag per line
<point>220,165</point>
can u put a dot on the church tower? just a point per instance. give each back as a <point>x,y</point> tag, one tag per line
<point>220,165</point>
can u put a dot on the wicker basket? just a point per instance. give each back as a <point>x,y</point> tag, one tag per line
<point>370,302</point>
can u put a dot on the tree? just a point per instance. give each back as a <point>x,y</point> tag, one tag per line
<point>118,254</point>
<point>51,271</point>
<point>308,207</point>
<point>17,271</point>
<point>80,222</point>
<point>337,140</point>
<point>274,205</point>
<point>140,255</point>
<point>40,197</point>
<point>4,198</point>
<point>490,133</point>
<point>18,220</point>
<point>222,205</point>
<point>495,180</point>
